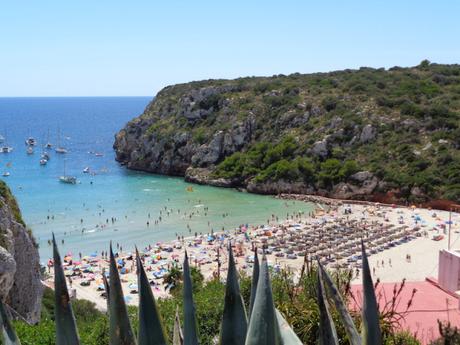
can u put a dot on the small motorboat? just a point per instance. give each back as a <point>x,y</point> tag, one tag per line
<point>60,150</point>
<point>6,174</point>
<point>43,161</point>
<point>6,149</point>
<point>86,170</point>
<point>98,154</point>
<point>30,150</point>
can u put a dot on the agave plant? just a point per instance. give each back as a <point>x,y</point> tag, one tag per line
<point>6,328</point>
<point>190,324</point>
<point>66,327</point>
<point>255,279</point>
<point>178,337</point>
<point>266,326</point>
<point>121,332</point>
<point>327,332</point>
<point>234,320</point>
<point>151,330</point>
<point>371,334</point>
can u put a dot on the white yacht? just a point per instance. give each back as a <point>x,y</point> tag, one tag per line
<point>66,178</point>
<point>6,149</point>
<point>59,148</point>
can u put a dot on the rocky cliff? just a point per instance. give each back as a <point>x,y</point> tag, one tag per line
<point>20,284</point>
<point>362,134</point>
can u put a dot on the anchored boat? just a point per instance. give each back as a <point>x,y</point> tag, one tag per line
<point>67,179</point>
<point>59,148</point>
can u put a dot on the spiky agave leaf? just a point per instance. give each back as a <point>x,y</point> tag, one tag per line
<point>263,326</point>
<point>66,327</point>
<point>151,330</point>
<point>327,332</point>
<point>234,320</point>
<point>178,337</point>
<point>120,332</point>
<point>106,288</point>
<point>345,317</point>
<point>255,279</point>
<point>190,325</point>
<point>6,328</point>
<point>371,333</point>
<point>288,336</point>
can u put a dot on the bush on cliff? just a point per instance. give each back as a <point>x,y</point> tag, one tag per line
<point>401,124</point>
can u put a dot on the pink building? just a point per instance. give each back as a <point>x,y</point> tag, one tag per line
<point>449,270</point>
<point>433,301</point>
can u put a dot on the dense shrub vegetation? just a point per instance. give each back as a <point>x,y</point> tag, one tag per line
<point>414,114</point>
<point>298,305</point>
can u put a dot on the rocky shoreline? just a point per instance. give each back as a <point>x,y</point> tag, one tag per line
<point>286,134</point>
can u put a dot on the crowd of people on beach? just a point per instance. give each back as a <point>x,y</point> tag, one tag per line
<point>333,235</point>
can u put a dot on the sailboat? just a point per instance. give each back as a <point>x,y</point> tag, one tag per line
<point>48,144</point>
<point>30,141</point>
<point>5,148</point>
<point>45,155</point>
<point>59,148</point>
<point>44,158</point>
<point>66,178</point>
<point>6,173</point>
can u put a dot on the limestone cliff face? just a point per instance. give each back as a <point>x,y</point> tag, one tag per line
<point>166,138</point>
<point>346,134</point>
<point>20,285</point>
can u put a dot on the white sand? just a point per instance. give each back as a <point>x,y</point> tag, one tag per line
<point>423,251</point>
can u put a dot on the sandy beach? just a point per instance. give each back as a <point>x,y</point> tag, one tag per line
<point>402,242</point>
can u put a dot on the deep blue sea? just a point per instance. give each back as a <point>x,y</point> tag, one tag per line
<point>81,215</point>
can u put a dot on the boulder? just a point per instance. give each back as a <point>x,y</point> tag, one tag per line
<point>367,134</point>
<point>361,176</point>
<point>320,148</point>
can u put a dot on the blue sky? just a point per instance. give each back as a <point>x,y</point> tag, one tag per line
<point>116,48</point>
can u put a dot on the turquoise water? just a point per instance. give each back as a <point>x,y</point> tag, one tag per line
<point>78,214</point>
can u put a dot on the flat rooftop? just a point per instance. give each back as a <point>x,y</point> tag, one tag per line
<point>430,304</point>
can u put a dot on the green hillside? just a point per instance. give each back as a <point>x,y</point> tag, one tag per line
<point>309,133</point>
